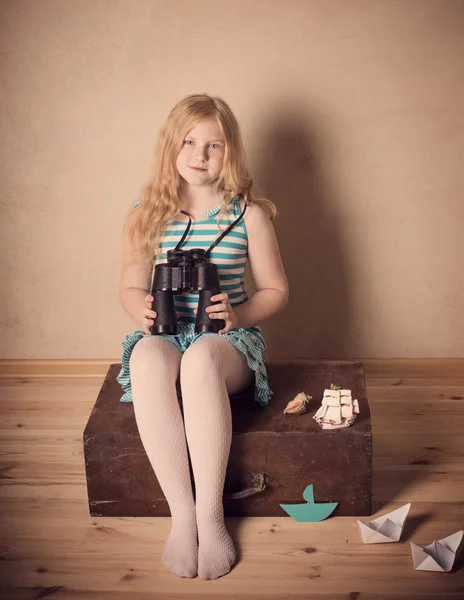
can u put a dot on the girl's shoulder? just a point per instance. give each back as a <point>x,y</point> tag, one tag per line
<point>255,214</point>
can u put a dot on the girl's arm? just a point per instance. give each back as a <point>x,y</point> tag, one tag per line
<point>267,270</point>
<point>134,283</point>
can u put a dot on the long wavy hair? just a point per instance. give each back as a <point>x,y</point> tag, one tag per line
<point>160,194</point>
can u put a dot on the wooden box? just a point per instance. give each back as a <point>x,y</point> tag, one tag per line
<point>273,457</point>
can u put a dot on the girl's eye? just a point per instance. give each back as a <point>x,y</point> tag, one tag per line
<point>190,142</point>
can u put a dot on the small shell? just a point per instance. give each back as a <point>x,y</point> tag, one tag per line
<point>298,405</point>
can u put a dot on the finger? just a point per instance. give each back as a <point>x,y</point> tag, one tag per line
<point>219,297</point>
<point>217,307</point>
<point>221,315</point>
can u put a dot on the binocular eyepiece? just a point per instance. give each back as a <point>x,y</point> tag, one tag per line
<point>185,271</point>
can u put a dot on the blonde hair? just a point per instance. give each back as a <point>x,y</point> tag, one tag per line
<point>160,194</point>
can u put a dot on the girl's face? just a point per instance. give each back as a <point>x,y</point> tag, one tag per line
<point>203,147</point>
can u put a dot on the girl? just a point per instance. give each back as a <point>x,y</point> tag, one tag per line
<point>199,169</point>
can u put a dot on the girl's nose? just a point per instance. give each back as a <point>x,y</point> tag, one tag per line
<point>201,153</point>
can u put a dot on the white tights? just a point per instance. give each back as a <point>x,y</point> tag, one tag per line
<point>210,369</point>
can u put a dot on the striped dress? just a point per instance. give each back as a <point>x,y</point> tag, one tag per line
<point>230,255</point>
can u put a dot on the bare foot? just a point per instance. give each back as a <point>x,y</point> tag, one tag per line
<point>216,551</point>
<point>180,553</point>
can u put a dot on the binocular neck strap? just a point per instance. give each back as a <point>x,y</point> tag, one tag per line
<point>187,229</point>
<point>224,233</point>
<point>216,242</point>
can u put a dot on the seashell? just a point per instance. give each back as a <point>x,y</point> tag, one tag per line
<point>298,405</point>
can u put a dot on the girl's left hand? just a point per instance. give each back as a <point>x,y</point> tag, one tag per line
<point>223,310</point>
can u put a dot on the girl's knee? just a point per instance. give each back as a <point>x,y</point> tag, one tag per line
<point>154,350</point>
<point>199,359</point>
<point>205,358</point>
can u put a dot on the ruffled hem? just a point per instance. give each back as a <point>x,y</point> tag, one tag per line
<point>245,340</point>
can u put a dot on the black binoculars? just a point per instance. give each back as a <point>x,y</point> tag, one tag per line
<point>185,271</point>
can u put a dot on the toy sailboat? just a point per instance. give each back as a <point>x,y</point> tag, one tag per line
<point>387,528</point>
<point>437,556</point>
<point>309,511</point>
<point>337,409</point>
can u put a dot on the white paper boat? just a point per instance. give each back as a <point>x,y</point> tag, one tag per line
<point>437,556</point>
<point>387,528</point>
<point>337,409</point>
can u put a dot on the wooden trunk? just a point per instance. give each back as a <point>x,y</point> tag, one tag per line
<point>284,452</point>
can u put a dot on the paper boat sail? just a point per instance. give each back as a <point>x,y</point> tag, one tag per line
<point>437,556</point>
<point>309,511</point>
<point>387,528</point>
<point>337,410</point>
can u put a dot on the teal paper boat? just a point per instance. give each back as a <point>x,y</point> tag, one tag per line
<point>309,512</point>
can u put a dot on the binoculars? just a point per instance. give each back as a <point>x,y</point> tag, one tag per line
<point>185,271</point>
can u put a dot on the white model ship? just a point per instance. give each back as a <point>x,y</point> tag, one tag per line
<point>337,410</point>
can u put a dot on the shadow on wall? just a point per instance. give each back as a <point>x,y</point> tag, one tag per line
<point>292,171</point>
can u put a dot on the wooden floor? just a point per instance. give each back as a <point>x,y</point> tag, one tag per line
<point>52,548</point>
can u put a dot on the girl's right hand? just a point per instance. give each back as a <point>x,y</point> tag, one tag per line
<point>150,315</point>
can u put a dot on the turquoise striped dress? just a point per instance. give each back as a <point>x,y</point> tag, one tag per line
<point>230,255</point>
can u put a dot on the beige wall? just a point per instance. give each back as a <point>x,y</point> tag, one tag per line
<point>352,115</point>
